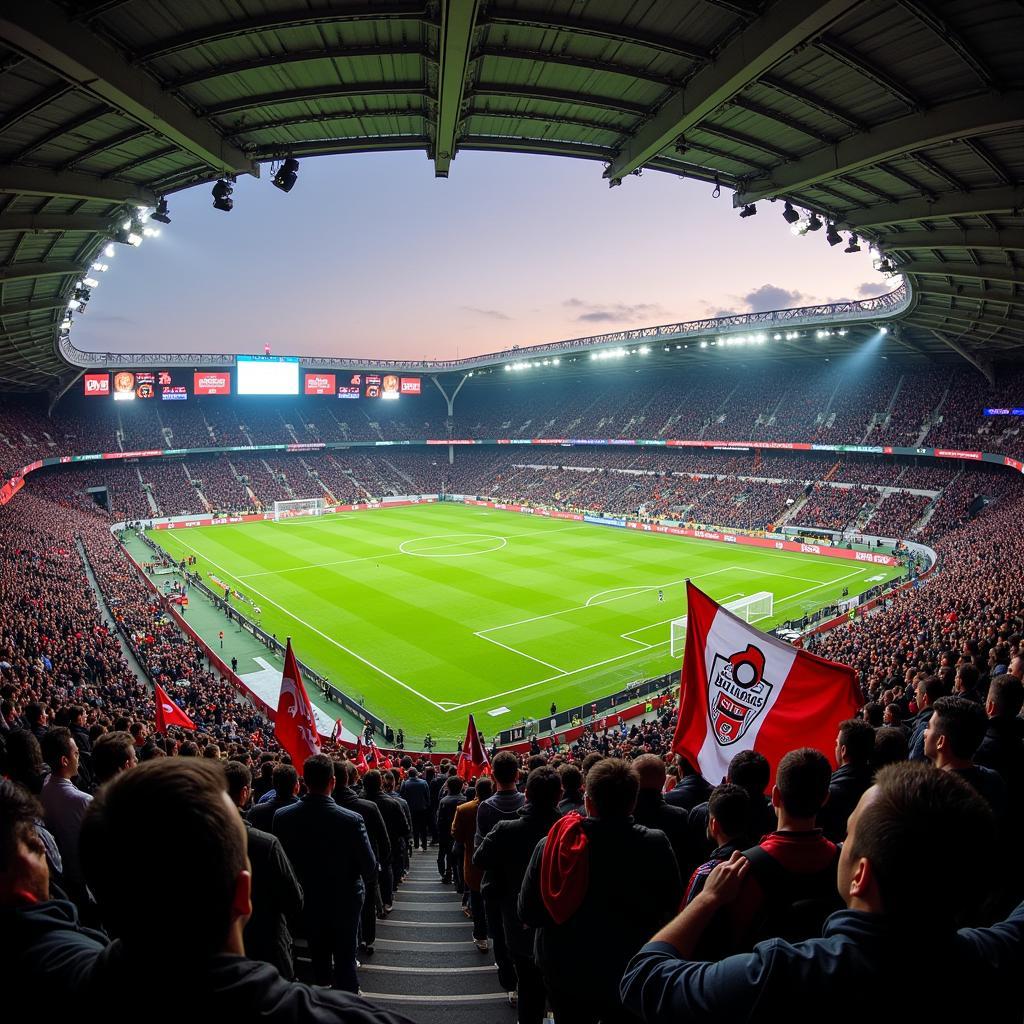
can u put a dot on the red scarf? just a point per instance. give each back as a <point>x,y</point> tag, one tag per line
<point>565,868</point>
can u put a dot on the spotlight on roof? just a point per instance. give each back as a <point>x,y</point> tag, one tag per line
<point>748,211</point>
<point>814,223</point>
<point>789,215</point>
<point>287,175</point>
<point>222,195</point>
<point>853,246</point>
<point>886,266</point>
<point>160,213</point>
<point>832,236</point>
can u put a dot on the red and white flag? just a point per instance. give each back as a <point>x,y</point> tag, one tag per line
<point>360,757</point>
<point>473,760</point>
<point>168,713</point>
<point>294,724</point>
<point>742,689</point>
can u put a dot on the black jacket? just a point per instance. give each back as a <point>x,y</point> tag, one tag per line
<point>446,815</point>
<point>221,987</point>
<point>331,853</point>
<point>691,790</point>
<point>848,785</point>
<point>276,902</point>
<point>633,889</point>
<point>573,802</point>
<point>416,794</point>
<point>261,816</point>
<point>653,812</point>
<point>346,797</point>
<point>762,821</point>
<point>394,820</point>
<point>1002,750</point>
<point>504,855</point>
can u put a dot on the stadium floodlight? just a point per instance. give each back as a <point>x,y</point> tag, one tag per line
<point>832,236</point>
<point>789,215</point>
<point>161,215</point>
<point>554,362</point>
<point>853,246</point>
<point>884,330</point>
<point>110,251</point>
<point>73,304</point>
<point>287,175</point>
<point>749,210</point>
<point>703,343</point>
<point>777,337</point>
<point>221,193</point>
<point>151,232</point>
<point>814,222</point>
<point>100,268</point>
<point>91,282</point>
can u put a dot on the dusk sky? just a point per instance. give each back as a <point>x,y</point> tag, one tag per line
<point>370,255</point>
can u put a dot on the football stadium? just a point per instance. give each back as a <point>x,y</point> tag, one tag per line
<point>511,510</point>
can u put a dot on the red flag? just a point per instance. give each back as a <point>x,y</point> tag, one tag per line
<point>742,689</point>
<point>372,756</point>
<point>360,759</point>
<point>168,713</point>
<point>387,765</point>
<point>473,760</point>
<point>336,733</point>
<point>294,724</point>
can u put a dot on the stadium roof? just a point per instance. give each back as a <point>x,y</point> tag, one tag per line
<point>901,121</point>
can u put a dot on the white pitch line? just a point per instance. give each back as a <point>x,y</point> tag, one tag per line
<point>319,565</point>
<point>320,633</point>
<point>576,608</point>
<point>633,654</point>
<point>522,654</point>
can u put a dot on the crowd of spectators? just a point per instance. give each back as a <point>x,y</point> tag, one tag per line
<point>834,508</point>
<point>896,513</point>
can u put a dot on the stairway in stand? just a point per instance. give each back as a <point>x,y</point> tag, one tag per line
<point>425,963</point>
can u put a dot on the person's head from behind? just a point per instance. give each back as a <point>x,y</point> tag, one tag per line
<point>650,772</point>
<point>484,788</point>
<point>286,781</point>
<point>169,822</point>
<point>954,732</point>
<point>891,747</point>
<point>453,784</point>
<point>1005,697</point>
<point>372,783</point>
<point>855,743</point>
<point>728,814</point>
<point>801,786</point>
<point>112,753</point>
<point>908,840</point>
<point>611,790</point>
<point>318,774</point>
<point>505,769</point>
<point>24,873</point>
<point>750,769</point>
<point>572,780</point>
<point>543,789</point>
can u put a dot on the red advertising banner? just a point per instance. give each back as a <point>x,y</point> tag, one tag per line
<point>206,383</point>
<point>96,384</point>
<point>319,383</point>
<point>947,453</point>
<point>411,386</point>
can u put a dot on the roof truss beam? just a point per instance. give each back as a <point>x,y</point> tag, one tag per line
<point>961,204</point>
<point>41,223</point>
<point>972,271</point>
<point>28,308</point>
<point>556,96</point>
<point>458,23</point>
<point>275,99</point>
<point>30,271</point>
<point>982,153</point>
<point>39,181</point>
<point>37,102</point>
<point>927,16</point>
<point>572,61</point>
<point>862,66</point>
<point>93,114</point>
<point>817,103</point>
<point>984,295</point>
<point>974,116</point>
<point>983,366</point>
<point>973,238</point>
<point>757,48</point>
<point>42,31</point>
<point>961,316</point>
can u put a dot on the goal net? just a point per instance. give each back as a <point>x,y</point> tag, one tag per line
<point>750,609</point>
<point>284,510</point>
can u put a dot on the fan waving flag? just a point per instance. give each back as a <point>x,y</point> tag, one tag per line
<point>168,713</point>
<point>473,759</point>
<point>742,689</point>
<point>294,725</point>
<point>360,758</point>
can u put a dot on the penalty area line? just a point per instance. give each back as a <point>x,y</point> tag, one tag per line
<point>313,629</point>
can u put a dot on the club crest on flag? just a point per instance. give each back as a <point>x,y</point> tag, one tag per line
<point>737,693</point>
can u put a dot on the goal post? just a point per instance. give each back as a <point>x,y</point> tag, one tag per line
<point>295,507</point>
<point>755,608</point>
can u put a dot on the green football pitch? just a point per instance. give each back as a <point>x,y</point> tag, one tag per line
<point>431,612</point>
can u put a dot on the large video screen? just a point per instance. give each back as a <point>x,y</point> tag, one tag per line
<point>267,375</point>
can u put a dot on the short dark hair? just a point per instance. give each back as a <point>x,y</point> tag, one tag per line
<point>933,687</point>
<point>1006,694</point>
<point>238,777</point>
<point>56,744</point>
<point>803,779</point>
<point>18,811</point>
<point>284,778</point>
<point>167,820</point>
<point>571,778</point>
<point>505,767</point>
<point>891,746</point>
<point>372,782</point>
<point>453,784</point>
<point>484,788</point>
<point>859,739</point>
<point>109,753</point>
<point>612,787</point>
<point>962,722</point>
<point>650,771</point>
<point>589,761</point>
<point>918,830</point>
<point>729,805</point>
<point>318,771</point>
<point>751,770</point>
<point>543,788</point>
